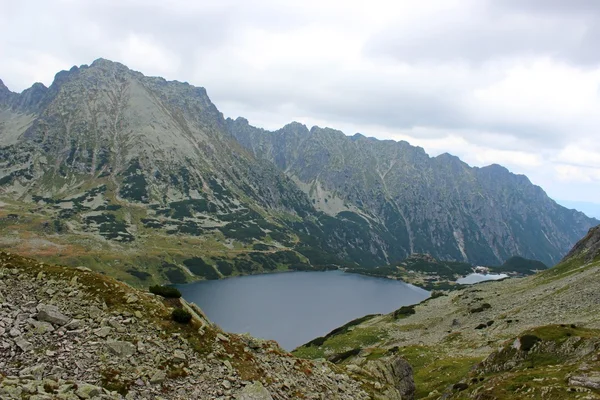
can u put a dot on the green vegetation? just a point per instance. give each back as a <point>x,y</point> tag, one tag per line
<point>520,265</point>
<point>199,267</point>
<point>135,186</point>
<point>404,312</point>
<point>180,315</point>
<point>168,292</point>
<point>435,370</point>
<point>341,330</point>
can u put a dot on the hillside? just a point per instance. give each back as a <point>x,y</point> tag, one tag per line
<point>69,333</point>
<point>416,203</point>
<point>521,338</point>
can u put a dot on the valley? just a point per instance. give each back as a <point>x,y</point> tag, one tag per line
<point>112,182</point>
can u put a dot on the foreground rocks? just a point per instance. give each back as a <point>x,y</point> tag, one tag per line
<point>72,334</point>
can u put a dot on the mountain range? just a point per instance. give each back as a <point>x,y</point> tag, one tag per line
<point>146,178</point>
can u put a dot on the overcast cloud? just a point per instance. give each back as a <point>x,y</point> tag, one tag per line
<point>514,82</point>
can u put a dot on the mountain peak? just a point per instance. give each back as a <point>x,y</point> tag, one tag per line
<point>103,63</point>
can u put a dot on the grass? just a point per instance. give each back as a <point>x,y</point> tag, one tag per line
<point>434,370</point>
<point>358,337</point>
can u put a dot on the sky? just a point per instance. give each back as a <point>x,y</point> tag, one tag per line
<point>512,82</point>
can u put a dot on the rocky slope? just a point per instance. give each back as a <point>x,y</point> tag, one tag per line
<point>69,333</point>
<point>419,204</point>
<point>536,337</point>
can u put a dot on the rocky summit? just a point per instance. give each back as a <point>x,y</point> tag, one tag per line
<point>145,179</point>
<point>69,333</point>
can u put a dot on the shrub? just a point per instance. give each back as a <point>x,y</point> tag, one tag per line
<point>528,341</point>
<point>165,291</point>
<point>437,293</point>
<point>404,311</point>
<point>336,358</point>
<point>180,315</point>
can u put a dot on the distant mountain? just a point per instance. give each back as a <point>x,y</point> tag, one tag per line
<point>591,209</point>
<point>146,180</point>
<point>419,204</point>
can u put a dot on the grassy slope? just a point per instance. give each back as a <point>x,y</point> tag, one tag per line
<point>443,355</point>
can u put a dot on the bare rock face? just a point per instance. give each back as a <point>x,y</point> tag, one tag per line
<point>395,372</point>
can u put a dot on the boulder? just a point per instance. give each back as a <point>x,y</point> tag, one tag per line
<point>51,314</point>
<point>87,391</point>
<point>121,348</point>
<point>254,391</point>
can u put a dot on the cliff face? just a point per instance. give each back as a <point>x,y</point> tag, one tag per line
<point>420,204</point>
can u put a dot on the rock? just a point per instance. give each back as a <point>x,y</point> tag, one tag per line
<point>158,377</point>
<point>117,325</point>
<point>23,344</point>
<point>121,348</point>
<point>41,327</point>
<point>591,382</point>
<point>254,391</point>
<point>74,324</point>
<point>14,332</point>
<point>131,299</point>
<point>397,373</point>
<point>103,332</point>
<point>87,391</point>
<point>179,356</point>
<point>222,337</point>
<point>226,384</point>
<point>95,312</point>
<point>51,314</point>
<point>36,372</point>
<point>83,269</point>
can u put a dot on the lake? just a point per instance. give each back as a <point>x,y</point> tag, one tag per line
<point>296,307</point>
<point>476,278</point>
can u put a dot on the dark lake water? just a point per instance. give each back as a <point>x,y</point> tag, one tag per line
<point>296,307</point>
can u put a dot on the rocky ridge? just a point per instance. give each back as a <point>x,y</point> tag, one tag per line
<point>414,203</point>
<point>69,333</point>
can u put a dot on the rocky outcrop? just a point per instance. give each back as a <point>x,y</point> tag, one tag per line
<point>72,334</point>
<point>395,372</point>
<point>587,248</point>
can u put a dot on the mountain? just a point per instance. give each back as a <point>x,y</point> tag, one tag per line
<point>535,337</point>
<point>416,203</point>
<point>144,179</point>
<point>112,164</point>
<point>69,333</point>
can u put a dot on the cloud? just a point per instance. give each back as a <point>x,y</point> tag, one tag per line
<point>514,82</point>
